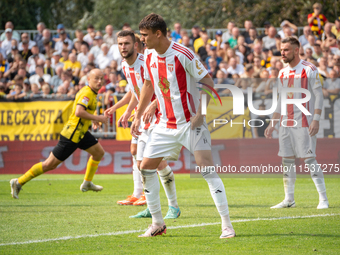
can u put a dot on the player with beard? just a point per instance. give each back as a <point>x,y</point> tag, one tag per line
<point>297,138</point>
<point>133,68</point>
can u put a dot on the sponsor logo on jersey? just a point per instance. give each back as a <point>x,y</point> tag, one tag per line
<point>85,100</point>
<point>170,67</point>
<point>138,76</point>
<point>164,85</point>
<point>161,61</point>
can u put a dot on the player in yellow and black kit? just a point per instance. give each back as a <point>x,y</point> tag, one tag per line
<point>74,135</point>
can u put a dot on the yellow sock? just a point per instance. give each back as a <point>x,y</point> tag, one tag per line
<point>91,169</point>
<point>35,171</point>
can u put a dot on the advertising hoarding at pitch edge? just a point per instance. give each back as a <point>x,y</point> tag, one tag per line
<point>238,103</point>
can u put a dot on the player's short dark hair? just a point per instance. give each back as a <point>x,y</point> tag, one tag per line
<point>154,22</point>
<point>292,40</point>
<point>125,33</point>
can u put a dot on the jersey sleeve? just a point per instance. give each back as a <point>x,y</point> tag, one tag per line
<point>314,79</point>
<point>85,98</point>
<point>195,68</point>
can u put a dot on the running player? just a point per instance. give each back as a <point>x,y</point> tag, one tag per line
<point>133,68</point>
<point>74,135</point>
<point>297,139</point>
<point>171,72</point>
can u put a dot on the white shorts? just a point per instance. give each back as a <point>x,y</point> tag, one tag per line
<point>142,140</point>
<point>167,143</point>
<point>296,141</point>
<point>134,140</point>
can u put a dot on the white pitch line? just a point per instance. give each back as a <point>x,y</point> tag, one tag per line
<point>171,227</point>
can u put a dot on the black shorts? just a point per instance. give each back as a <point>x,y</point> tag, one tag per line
<point>66,147</point>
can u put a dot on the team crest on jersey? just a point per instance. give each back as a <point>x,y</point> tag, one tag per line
<point>138,76</point>
<point>170,67</point>
<point>164,85</point>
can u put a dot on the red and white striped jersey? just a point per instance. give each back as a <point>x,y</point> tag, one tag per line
<point>174,76</point>
<point>304,75</point>
<point>135,77</point>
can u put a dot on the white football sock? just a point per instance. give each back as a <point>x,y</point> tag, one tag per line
<point>217,191</point>
<point>168,181</point>
<point>317,177</point>
<point>151,191</point>
<point>289,178</point>
<point>137,180</point>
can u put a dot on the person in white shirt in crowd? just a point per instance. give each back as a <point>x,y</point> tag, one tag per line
<point>15,34</point>
<point>31,62</point>
<point>269,40</point>
<point>83,56</point>
<point>303,38</point>
<point>235,68</point>
<point>290,26</point>
<point>110,38</point>
<point>39,73</point>
<point>104,58</point>
<point>323,67</point>
<point>96,49</point>
<point>56,80</point>
<point>331,85</point>
<point>311,42</point>
<point>227,34</point>
<point>63,40</point>
<point>6,44</point>
<point>114,52</point>
<point>25,37</point>
<point>88,37</point>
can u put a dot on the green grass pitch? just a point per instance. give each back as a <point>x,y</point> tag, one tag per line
<point>52,207</point>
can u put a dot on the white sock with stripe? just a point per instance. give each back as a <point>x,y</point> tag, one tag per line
<point>289,178</point>
<point>217,192</point>
<point>168,181</point>
<point>317,177</point>
<point>151,191</point>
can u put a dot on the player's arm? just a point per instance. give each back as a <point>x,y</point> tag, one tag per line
<point>123,120</point>
<point>317,91</point>
<point>150,112</point>
<point>145,97</point>
<point>83,114</point>
<point>198,119</point>
<point>125,100</point>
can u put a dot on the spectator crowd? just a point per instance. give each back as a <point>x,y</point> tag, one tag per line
<point>57,66</point>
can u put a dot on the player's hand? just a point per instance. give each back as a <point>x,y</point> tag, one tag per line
<point>269,131</point>
<point>314,128</point>
<point>103,119</point>
<point>95,125</point>
<point>109,111</point>
<point>196,121</point>
<point>149,113</point>
<point>135,128</point>
<point>123,120</point>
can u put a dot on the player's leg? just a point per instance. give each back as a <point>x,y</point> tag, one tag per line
<point>199,144</point>
<point>61,151</point>
<point>91,145</point>
<point>137,179</point>
<point>203,158</point>
<point>151,190</point>
<point>319,181</point>
<point>168,181</point>
<point>161,143</point>
<point>289,178</point>
<point>287,153</point>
